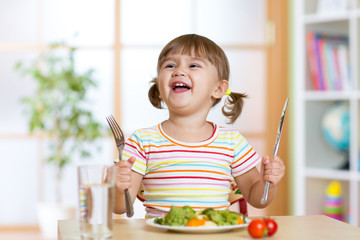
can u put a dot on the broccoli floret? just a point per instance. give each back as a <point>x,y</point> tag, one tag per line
<point>189,212</point>
<point>217,217</point>
<point>177,216</point>
<point>159,220</point>
<point>224,217</point>
<point>207,211</point>
<point>188,209</point>
<point>232,218</point>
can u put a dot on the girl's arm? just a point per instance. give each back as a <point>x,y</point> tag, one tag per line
<point>251,184</point>
<point>125,179</point>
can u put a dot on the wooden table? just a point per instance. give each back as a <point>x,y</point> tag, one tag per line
<point>289,228</point>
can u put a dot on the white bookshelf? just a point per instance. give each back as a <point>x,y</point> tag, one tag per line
<point>315,164</point>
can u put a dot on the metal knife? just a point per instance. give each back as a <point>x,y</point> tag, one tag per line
<point>265,194</point>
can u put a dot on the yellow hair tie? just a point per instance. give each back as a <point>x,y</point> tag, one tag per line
<point>228,92</point>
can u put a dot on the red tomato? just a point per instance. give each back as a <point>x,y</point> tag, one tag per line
<point>271,226</point>
<point>257,228</point>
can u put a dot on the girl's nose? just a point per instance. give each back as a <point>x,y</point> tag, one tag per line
<point>179,72</point>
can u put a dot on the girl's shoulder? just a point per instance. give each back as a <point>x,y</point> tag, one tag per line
<point>147,132</point>
<point>147,129</point>
<point>225,130</point>
<point>232,135</point>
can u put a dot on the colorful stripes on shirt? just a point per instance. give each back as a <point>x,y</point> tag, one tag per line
<point>193,174</point>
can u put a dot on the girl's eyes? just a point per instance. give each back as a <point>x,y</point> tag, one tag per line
<point>194,66</point>
<point>169,66</point>
<point>191,65</point>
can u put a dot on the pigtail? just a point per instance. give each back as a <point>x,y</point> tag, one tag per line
<point>233,106</point>
<point>154,95</point>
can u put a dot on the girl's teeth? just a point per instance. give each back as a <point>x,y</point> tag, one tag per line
<point>180,85</point>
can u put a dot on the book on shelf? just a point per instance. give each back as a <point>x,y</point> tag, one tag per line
<point>328,58</point>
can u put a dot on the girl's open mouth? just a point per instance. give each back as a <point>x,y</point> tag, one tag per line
<point>180,87</point>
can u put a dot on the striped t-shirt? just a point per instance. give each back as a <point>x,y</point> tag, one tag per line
<point>193,174</point>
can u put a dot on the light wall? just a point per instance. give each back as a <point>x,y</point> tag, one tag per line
<point>121,40</point>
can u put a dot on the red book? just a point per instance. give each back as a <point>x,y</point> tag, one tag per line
<point>313,65</point>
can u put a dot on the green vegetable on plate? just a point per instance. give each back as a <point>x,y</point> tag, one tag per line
<point>179,216</point>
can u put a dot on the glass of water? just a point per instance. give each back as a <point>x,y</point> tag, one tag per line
<point>96,200</point>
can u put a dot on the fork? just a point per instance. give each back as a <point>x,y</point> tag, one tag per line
<point>120,143</point>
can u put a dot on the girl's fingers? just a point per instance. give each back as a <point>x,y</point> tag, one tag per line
<point>274,170</point>
<point>123,178</point>
<point>123,174</point>
<point>131,160</point>
<point>121,186</point>
<point>265,160</point>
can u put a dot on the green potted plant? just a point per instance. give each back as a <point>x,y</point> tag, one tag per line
<point>58,109</point>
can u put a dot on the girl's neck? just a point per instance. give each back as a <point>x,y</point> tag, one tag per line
<point>188,129</point>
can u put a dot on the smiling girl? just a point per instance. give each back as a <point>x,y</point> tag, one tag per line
<point>187,160</point>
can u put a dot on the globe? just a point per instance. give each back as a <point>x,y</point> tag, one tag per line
<point>336,126</point>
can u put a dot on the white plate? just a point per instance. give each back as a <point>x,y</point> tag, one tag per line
<point>209,229</point>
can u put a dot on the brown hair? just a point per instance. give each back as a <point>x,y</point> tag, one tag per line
<point>205,48</point>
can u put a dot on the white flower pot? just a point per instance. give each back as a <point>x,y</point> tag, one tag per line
<point>49,214</point>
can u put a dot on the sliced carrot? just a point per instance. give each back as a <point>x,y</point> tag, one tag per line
<point>195,222</point>
<point>240,220</point>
